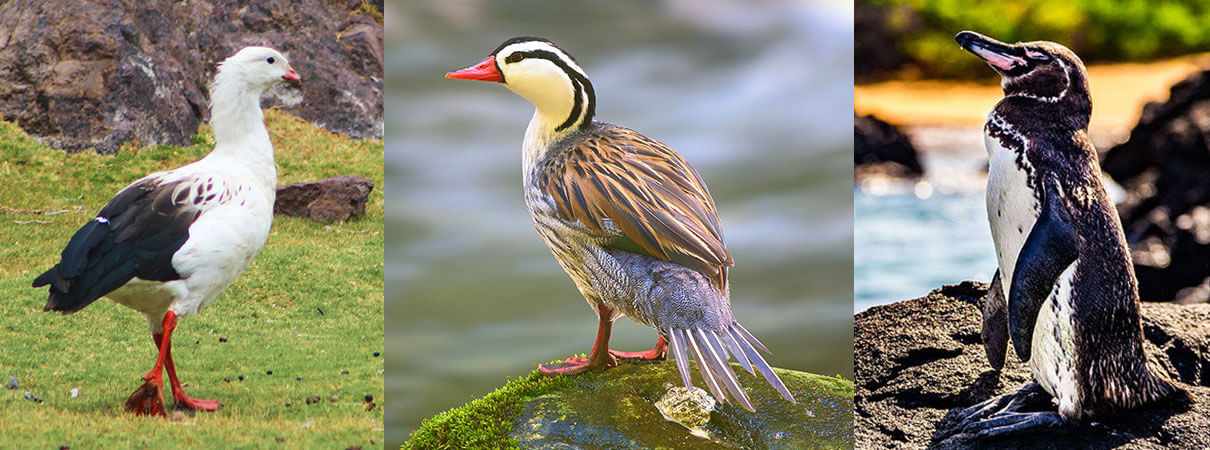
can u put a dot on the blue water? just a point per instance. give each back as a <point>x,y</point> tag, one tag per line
<point>905,246</point>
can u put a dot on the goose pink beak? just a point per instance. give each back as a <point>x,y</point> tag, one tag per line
<point>291,75</point>
<point>484,71</point>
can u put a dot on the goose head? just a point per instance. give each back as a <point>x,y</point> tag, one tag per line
<point>255,69</point>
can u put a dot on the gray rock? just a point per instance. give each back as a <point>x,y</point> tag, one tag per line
<point>92,75</point>
<point>337,198</point>
<point>918,361</point>
<point>12,382</point>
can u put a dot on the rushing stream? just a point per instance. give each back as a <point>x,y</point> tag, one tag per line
<point>753,94</point>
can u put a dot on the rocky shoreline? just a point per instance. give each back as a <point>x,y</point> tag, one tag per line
<point>918,361</point>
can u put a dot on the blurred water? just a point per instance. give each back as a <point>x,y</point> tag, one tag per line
<point>757,95</point>
<point>911,237</point>
<point>905,246</point>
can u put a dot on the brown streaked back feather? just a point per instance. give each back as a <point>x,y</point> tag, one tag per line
<point>657,201</point>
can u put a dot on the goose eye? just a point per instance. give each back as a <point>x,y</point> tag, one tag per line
<point>1034,54</point>
<point>514,58</point>
<point>270,60</point>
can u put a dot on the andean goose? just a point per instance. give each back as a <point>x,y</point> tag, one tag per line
<point>171,242</point>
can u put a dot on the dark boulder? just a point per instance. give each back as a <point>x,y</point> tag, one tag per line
<point>337,198</point>
<point>1165,169</point>
<point>918,361</point>
<point>94,74</point>
<point>879,147</point>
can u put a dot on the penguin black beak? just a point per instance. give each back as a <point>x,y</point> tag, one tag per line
<point>1006,59</point>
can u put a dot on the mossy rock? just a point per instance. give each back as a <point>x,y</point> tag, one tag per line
<point>616,409</point>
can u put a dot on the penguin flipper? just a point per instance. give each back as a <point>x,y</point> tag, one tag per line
<point>995,323</point>
<point>1049,249</point>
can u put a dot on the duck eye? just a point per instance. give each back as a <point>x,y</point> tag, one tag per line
<point>270,60</point>
<point>1037,55</point>
<point>514,57</point>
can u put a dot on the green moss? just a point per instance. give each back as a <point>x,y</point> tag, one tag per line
<point>484,422</point>
<point>616,409</point>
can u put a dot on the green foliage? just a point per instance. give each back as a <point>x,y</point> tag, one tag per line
<point>483,422</point>
<point>309,309</point>
<point>1109,30</point>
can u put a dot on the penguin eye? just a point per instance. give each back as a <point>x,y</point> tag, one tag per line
<point>514,57</point>
<point>270,60</point>
<point>1037,55</point>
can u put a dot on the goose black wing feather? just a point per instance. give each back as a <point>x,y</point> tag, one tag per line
<point>135,235</point>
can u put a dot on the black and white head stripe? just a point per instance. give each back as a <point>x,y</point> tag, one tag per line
<point>519,49</point>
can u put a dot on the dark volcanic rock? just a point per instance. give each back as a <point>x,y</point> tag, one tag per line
<point>1165,169</point>
<point>94,74</point>
<point>335,198</point>
<point>917,361</point>
<point>880,147</point>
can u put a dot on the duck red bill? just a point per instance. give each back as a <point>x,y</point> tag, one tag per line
<point>484,71</point>
<point>997,60</point>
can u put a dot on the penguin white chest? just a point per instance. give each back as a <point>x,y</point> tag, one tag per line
<point>1012,207</point>
<point>1052,360</point>
<point>1012,210</point>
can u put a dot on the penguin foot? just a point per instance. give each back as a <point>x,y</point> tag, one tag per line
<point>1005,415</point>
<point>1010,424</point>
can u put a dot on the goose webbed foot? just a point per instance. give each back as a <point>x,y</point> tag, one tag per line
<point>148,399</point>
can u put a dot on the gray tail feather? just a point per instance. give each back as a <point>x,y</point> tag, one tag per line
<point>710,350</point>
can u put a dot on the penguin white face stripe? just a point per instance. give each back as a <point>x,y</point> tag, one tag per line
<point>1051,99</point>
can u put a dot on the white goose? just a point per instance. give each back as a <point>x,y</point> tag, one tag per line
<point>171,242</point>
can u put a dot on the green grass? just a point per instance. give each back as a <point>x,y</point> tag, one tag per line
<point>483,423</point>
<point>1097,30</point>
<point>270,318</point>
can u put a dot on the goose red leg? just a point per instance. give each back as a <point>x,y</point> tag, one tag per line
<point>599,358</point>
<point>178,392</point>
<point>148,399</point>
<point>660,350</point>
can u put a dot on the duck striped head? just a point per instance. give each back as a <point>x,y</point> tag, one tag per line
<point>541,72</point>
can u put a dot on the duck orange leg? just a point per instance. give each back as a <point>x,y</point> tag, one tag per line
<point>599,358</point>
<point>660,350</point>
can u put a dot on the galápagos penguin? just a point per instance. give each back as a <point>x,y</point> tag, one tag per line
<point>1064,268</point>
<point>169,243</point>
<point>629,220</point>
